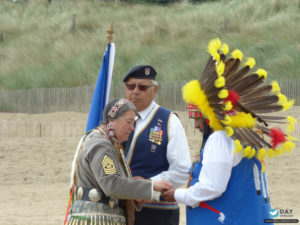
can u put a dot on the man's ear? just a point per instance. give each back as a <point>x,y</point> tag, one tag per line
<point>155,88</point>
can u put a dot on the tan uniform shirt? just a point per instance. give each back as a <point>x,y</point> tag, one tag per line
<point>99,168</point>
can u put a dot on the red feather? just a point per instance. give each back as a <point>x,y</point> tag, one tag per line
<point>207,121</point>
<point>233,97</point>
<point>277,137</point>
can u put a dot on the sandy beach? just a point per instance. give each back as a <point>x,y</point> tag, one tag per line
<point>36,152</point>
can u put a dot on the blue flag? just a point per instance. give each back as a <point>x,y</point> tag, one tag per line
<point>101,92</point>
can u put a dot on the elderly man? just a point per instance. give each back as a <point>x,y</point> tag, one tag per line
<point>158,149</point>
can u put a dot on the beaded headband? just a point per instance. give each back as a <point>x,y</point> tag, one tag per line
<point>116,107</point>
<point>193,111</point>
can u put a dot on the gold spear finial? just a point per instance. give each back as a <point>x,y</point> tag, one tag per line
<point>110,32</point>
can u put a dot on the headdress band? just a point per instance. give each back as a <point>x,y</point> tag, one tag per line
<point>194,112</point>
<point>116,107</point>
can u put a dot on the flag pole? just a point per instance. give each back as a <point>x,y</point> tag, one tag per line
<point>110,32</point>
<point>102,88</point>
<point>109,37</point>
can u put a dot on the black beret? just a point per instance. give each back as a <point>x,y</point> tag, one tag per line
<point>141,72</point>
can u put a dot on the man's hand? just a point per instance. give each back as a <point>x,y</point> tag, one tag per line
<point>162,185</point>
<point>169,195</point>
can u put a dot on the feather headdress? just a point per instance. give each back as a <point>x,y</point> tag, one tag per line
<point>236,100</point>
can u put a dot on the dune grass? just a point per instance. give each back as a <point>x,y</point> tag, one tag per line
<point>41,50</point>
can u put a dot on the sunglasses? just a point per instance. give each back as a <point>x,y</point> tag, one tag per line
<point>131,87</point>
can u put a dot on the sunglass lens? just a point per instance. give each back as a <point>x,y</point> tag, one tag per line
<point>143,87</point>
<point>130,86</point>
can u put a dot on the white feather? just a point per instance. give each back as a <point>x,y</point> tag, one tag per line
<point>221,217</point>
<point>263,186</point>
<point>75,161</point>
<point>256,177</point>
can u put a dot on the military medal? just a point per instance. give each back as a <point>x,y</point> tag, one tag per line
<point>156,133</point>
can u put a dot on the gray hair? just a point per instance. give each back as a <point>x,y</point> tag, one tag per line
<point>154,82</point>
<point>122,109</point>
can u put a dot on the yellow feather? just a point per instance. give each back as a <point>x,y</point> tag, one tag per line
<point>227,120</point>
<point>252,153</point>
<point>271,152</point>
<point>243,119</point>
<point>263,167</point>
<point>229,131</point>
<point>214,44</point>
<point>213,48</point>
<point>192,93</point>
<point>227,106</point>
<point>284,102</point>
<point>290,138</point>
<point>215,55</point>
<point>250,62</point>
<point>291,119</point>
<point>288,146</point>
<point>261,72</point>
<point>220,82</point>
<point>224,48</point>
<point>275,87</point>
<point>238,146</point>
<point>277,152</point>
<point>247,151</point>
<point>237,54</point>
<point>282,99</point>
<point>288,105</point>
<point>261,154</point>
<point>220,68</point>
<point>291,126</point>
<point>223,94</point>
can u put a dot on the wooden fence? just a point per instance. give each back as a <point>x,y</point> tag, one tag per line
<point>43,127</point>
<point>70,124</point>
<point>76,102</point>
<point>78,99</point>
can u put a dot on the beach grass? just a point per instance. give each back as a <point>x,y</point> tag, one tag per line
<point>44,48</point>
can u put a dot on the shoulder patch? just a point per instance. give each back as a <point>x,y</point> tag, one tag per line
<point>108,165</point>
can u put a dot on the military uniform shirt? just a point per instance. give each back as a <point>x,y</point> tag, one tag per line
<point>99,168</point>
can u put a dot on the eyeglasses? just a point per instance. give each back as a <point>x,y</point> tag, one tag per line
<point>142,87</point>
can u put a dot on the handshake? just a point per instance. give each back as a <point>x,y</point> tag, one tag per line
<point>164,187</point>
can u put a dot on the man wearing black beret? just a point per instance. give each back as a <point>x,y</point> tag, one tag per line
<point>158,149</point>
